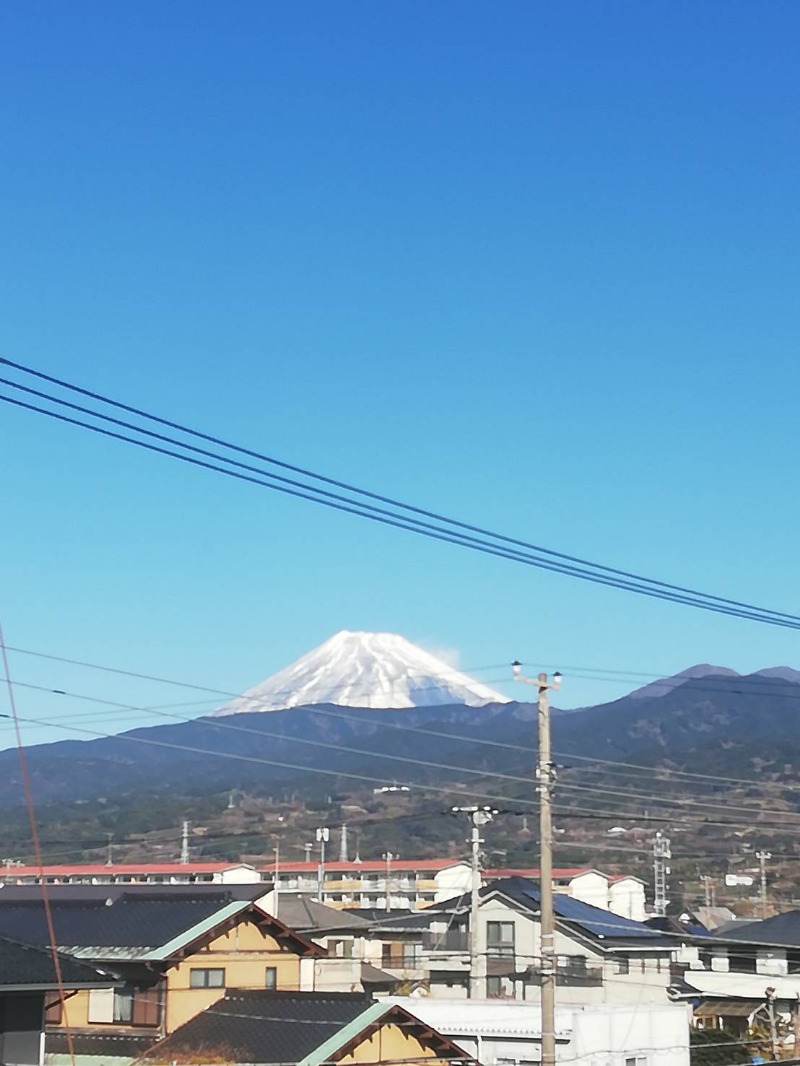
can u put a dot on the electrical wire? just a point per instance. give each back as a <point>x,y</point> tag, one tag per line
<point>401,515</point>
<point>34,829</point>
<point>339,713</point>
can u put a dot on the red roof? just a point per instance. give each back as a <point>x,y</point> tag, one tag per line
<point>558,873</point>
<point>369,866</point>
<point>121,869</point>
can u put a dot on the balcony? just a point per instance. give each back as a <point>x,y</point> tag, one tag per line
<point>568,976</point>
<point>454,940</point>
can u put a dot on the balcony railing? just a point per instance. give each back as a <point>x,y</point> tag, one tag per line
<point>569,976</point>
<point>452,940</point>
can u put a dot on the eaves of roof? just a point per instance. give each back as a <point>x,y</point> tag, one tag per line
<point>328,1048</point>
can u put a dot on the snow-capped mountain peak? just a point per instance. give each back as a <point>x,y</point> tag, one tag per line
<point>380,670</point>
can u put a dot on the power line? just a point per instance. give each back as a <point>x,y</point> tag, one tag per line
<point>400,515</point>
<point>622,768</point>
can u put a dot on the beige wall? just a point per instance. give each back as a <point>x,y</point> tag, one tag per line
<point>244,953</point>
<point>390,1044</point>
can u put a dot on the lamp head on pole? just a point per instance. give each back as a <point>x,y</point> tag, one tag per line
<point>557,679</point>
<point>516,666</point>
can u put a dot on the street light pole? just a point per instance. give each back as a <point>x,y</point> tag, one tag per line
<point>480,816</point>
<point>545,778</point>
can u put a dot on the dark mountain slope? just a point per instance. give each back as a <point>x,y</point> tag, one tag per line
<point>727,721</point>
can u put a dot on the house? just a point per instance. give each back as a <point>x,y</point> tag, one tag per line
<point>601,957</point>
<point>622,894</point>
<point>175,950</point>
<point>402,884</point>
<point>28,983</point>
<point>727,976</point>
<point>309,1029</point>
<point>509,1032</point>
<point>354,956</point>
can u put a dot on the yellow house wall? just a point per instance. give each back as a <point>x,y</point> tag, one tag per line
<point>390,1044</point>
<point>244,953</point>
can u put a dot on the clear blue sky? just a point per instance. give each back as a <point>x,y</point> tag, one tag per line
<point>535,265</point>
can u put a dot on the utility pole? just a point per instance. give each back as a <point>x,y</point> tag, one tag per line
<point>480,816</point>
<point>661,853</point>
<point>343,845</point>
<point>763,857</point>
<point>276,887</point>
<point>545,779</point>
<point>185,843</point>
<point>773,1028</point>
<point>708,889</point>
<point>110,859</point>
<point>308,848</point>
<point>388,857</point>
<point>323,836</point>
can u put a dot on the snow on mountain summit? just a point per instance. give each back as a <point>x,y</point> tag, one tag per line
<point>379,670</point>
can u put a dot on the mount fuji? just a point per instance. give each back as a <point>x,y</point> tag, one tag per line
<point>377,670</point>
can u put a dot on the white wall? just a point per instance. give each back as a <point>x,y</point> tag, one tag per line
<point>626,898</point>
<point>500,1033</point>
<point>452,881</point>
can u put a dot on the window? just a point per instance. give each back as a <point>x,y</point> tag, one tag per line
<point>342,949</point>
<point>622,964</point>
<point>499,988</point>
<point>573,965</point>
<point>53,1010</point>
<point>271,978</point>
<point>128,1005</point>
<point>123,1005</point>
<point>500,938</point>
<point>207,978</point>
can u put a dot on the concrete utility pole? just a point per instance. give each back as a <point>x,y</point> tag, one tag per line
<point>763,857</point>
<point>388,857</point>
<point>773,1028</point>
<point>276,887</point>
<point>343,845</point>
<point>480,816</point>
<point>661,853</point>
<point>545,778</point>
<point>308,848</point>
<point>185,843</point>
<point>708,888</point>
<point>323,836</point>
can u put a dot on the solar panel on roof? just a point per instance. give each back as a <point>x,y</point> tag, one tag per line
<point>598,922</point>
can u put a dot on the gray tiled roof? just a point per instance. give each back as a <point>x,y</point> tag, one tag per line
<point>123,920</point>
<point>30,966</point>
<point>259,1026</point>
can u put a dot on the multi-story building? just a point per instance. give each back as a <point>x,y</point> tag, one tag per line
<point>400,884</point>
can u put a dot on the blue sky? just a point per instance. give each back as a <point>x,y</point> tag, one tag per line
<point>533,265</point>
